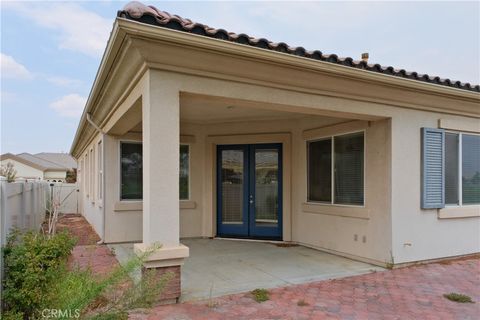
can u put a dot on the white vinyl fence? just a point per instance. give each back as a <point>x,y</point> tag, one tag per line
<point>23,205</point>
<point>67,194</point>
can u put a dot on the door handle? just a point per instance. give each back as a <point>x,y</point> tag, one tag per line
<point>251,199</point>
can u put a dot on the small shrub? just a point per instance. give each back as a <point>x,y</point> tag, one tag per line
<point>37,278</point>
<point>260,295</point>
<point>458,297</point>
<point>108,297</point>
<point>32,261</point>
<point>8,171</point>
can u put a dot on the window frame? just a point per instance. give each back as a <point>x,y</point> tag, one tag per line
<point>86,174</point>
<point>92,174</point>
<point>120,142</point>
<point>189,171</point>
<point>332,168</point>
<point>100,162</point>
<point>460,170</point>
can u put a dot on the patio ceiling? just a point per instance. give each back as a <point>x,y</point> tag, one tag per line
<point>202,109</point>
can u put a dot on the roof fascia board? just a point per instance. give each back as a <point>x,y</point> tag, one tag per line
<point>116,38</point>
<point>192,40</point>
<point>130,67</point>
<point>124,29</point>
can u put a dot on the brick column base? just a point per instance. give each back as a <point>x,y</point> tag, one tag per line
<point>172,290</point>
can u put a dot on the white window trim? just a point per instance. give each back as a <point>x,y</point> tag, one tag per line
<point>460,170</point>
<point>92,174</point>
<point>332,201</point>
<point>86,175</point>
<point>100,170</point>
<point>137,204</point>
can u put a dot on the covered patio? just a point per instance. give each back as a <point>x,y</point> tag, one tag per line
<point>218,267</point>
<point>192,136</point>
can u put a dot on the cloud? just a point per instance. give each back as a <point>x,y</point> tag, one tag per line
<point>7,97</point>
<point>79,30</point>
<point>12,69</point>
<point>63,81</point>
<point>70,106</point>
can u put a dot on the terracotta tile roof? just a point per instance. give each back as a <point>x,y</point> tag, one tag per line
<point>150,15</point>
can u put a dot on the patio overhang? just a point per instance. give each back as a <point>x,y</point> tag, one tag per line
<point>134,48</point>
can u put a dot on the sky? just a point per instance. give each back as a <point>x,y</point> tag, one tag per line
<point>50,51</point>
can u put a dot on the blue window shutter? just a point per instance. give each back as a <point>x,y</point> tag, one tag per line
<point>433,168</point>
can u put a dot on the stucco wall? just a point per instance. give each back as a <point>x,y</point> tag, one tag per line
<point>90,206</point>
<point>55,175</point>
<point>328,229</point>
<point>420,234</point>
<point>122,223</point>
<point>391,225</point>
<point>400,230</point>
<point>24,171</point>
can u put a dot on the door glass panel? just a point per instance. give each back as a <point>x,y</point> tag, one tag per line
<point>266,188</point>
<point>232,186</point>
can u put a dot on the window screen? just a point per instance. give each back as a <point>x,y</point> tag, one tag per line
<point>131,171</point>
<point>451,168</point>
<point>348,170</point>
<point>184,172</point>
<point>320,170</point>
<point>470,169</point>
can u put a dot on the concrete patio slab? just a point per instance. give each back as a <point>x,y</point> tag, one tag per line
<point>218,267</point>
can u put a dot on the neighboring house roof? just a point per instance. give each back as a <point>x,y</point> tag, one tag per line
<point>63,159</point>
<point>150,15</point>
<point>10,156</point>
<point>35,162</point>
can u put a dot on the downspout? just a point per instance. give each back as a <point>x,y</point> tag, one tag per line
<point>94,125</point>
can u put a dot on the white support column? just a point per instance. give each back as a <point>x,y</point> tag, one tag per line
<point>161,138</point>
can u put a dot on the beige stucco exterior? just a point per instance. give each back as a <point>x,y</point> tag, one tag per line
<point>30,171</point>
<point>23,170</point>
<point>163,88</point>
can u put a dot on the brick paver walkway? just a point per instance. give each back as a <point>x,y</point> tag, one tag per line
<point>87,253</point>
<point>406,293</point>
<point>78,227</point>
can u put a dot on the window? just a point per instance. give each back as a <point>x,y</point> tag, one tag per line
<point>131,171</point>
<point>80,174</point>
<point>462,169</point>
<point>184,172</point>
<point>92,174</point>
<point>336,169</point>
<point>100,170</point>
<point>86,174</point>
<point>320,170</point>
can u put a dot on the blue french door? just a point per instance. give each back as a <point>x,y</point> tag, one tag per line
<point>249,191</point>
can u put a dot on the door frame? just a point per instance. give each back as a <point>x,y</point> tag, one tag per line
<point>209,212</point>
<point>249,226</point>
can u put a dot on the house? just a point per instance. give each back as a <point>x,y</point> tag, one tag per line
<point>191,131</point>
<point>41,166</point>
